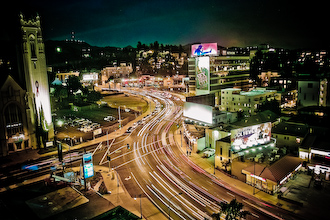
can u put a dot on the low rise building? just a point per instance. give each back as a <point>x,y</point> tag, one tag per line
<point>234,100</point>
<point>122,71</point>
<point>290,135</point>
<point>270,178</point>
<point>63,77</point>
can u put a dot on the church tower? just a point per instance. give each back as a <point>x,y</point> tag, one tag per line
<point>36,79</point>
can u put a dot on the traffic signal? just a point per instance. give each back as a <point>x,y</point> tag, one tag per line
<point>108,158</point>
<point>128,146</point>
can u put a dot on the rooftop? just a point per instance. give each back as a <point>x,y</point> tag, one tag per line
<point>278,170</point>
<point>255,92</point>
<point>316,142</point>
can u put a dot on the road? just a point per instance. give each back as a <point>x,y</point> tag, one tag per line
<point>156,167</point>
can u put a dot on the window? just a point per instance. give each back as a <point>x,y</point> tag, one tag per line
<point>13,117</point>
<point>221,151</point>
<point>32,46</point>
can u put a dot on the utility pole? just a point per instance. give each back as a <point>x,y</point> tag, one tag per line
<point>109,159</point>
<point>119,118</point>
<point>254,175</point>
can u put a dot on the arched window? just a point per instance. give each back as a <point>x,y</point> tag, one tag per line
<point>32,46</point>
<point>13,119</point>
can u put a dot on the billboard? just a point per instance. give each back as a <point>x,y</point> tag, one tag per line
<point>198,112</point>
<point>204,49</point>
<point>247,137</point>
<point>88,165</point>
<point>202,73</point>
<point>90,77</point>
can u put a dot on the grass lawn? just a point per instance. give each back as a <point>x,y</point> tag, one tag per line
<point>131,101</point>
<point>96,113</point>
<point>92,113</point>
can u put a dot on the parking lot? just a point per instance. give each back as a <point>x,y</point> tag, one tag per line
<point>315,200</point>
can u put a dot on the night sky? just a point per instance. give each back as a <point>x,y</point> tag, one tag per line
<point>229,23</point>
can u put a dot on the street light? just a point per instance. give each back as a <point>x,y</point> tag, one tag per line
<point>169,204</point>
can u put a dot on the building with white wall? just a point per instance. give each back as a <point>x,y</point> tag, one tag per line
<point>235,100</point>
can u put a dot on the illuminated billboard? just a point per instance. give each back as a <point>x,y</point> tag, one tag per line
<point>88,165</point>
<point>90,77</point>
<point>204,49</point>
<point>247,137</point>
<point>198,112</point>
<point>202,73</point>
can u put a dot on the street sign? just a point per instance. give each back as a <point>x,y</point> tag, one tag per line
<point>88,165</point>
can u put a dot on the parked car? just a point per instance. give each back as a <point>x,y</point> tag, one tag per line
<point>109,118</point>
<point>208,152</point>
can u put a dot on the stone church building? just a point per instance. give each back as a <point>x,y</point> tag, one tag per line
<point>25,111</point>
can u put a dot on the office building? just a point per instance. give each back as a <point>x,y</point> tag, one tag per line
<point>223,72</point>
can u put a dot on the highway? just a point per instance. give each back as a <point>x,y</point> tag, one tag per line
<point>154,166</point>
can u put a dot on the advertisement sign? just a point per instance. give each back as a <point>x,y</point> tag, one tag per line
<point>247,137</point>
<point>90,77</point>
<point>204,49</point>
<point>88,165</point>
<point>202,73</point>
<point>198,112</point>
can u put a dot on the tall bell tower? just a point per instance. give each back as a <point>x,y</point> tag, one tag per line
<point>36,79</point>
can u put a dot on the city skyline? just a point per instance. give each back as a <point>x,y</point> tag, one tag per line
<point>234,23</point>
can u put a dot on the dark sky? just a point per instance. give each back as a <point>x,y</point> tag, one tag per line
<point>229,23</point>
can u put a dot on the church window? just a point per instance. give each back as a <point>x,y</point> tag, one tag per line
<point>13,117</point>
<point>33,46</point>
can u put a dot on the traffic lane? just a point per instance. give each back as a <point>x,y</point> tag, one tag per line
<point>151,185</point>
<point>193,169</point>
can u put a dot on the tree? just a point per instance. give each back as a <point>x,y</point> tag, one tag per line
<point>232,210</point>
<point>60,93</point>
<point>139,46</point>
<point>93,96</point>
<point>74,84</point>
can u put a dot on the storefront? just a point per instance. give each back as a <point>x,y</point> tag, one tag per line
<point>270,178</point>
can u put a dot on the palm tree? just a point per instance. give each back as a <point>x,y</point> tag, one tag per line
<point>233,211</point>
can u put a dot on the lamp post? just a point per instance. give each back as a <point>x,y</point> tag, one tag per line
<point>140,205</point>
<point>169,204</point>
<point>214,164</point>
<point>254,173</point>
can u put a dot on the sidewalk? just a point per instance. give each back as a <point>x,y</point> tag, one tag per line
<point>234,184</point>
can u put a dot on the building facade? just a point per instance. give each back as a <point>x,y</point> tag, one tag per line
<point>16,132</point>
<point>223,72</point>
<point>36,78</point>
<point>313,92</point>
<point>234,100</point>
<point>26,120</point>
<point>63,77</point>
<point>122,71</point>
